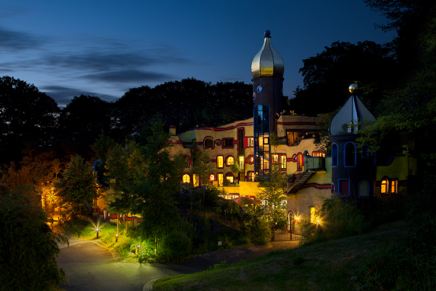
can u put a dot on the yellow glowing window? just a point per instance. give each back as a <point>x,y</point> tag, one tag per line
<point>186,178</point>
<point>212,178</point>
<point>312,215</point>
<point>251,142</point>
<point>219,161</point>
<point>230,161</point>
<point>241,162</point>
<point>220,179</point>
<point>230,179</point>
<point>384,187</point>
<point>275,159</point>
<point>394,187</point>
<point>283,162</point>
<point>196,180</point>
<point>251,176</point>
<point>265,140</point>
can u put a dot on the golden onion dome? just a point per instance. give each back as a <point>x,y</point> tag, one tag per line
<point>267,61</point>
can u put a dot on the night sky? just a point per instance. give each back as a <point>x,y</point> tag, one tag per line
<point>103,48</point>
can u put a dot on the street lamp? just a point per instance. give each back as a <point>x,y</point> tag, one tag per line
<point>137,248</point>
<point>97,231</point>
<point>116,237</point>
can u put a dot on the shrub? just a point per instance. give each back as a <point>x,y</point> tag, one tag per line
<point>337,219</point>
<point>176,245</point>
<point>257,231</point>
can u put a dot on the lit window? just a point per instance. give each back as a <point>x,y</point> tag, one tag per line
<point>219,161</point>
<point>384,187</point>
<point>220,179</point>
<point>212,177</point>
<point>394,186</point>
<point>318,154</point>
<point>241,162</point>
<point>186,178</point>
<point>312,215</point>
<point>265,140</point>
<point>275,159</point>
<point>196,180</point>
<point>251,142</point>
<point>230,161</point>
<point>283,162</point>
<point>230,179</point>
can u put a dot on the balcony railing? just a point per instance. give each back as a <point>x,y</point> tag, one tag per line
<point>314,163</point>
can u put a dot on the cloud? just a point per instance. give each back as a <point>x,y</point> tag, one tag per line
<point>128,76</point>
<point>64,95</point>
<point>17,41</point>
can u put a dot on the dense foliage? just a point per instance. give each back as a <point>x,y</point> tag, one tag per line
<point>27,244</point>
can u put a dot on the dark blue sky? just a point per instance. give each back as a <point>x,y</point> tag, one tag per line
<point>103,48</point>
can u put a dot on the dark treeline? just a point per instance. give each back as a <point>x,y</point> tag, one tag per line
<point>31,122</point>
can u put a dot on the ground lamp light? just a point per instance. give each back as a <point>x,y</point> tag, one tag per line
<point>97,231</point>
<point>137,248</point>
<point>116,237</point>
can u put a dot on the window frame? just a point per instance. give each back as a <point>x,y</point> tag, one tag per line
<point>283,166</point>
<point>183,180</point>
<point>368,189</point>
<point>218,158</point>
<point>224,142</point>
<point>204,142</point>
<point>227,161</point>
<point>345,155</point>
<point>386,186</point>
<point>241,162</point>
<point>335,155</point>
<point>339,187</point>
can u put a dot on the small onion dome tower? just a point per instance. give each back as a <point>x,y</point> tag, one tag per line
<point>267,69</point>
<point>353,169</point>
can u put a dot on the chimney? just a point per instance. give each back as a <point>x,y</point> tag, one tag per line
<point>172,130</point>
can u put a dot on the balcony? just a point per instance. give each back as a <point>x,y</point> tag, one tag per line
<point>314,163</point>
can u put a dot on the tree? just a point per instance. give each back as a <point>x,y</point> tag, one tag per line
<point>328,75</point>
<point>271,190</point>
<point>78,182</point>
<point>81,122</point>
<point>28,118</point>
<point>411,106</point>
<point>201,165</point>
<point>146,179</point>
<point>27,244</point>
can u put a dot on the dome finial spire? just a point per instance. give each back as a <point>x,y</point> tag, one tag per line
<point>267,61</point>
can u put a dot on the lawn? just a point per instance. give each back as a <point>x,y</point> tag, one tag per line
<point>332,265</point>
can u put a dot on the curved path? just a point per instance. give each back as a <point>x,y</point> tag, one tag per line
<point>88,266</point>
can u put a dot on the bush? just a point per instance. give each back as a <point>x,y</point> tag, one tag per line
<point>176,245</point>
<point>337,219</point>
<point>257,231</point>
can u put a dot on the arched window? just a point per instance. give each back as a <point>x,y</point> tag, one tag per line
<point>334,154</point>
<point>230,161</point>
<point>364,189</point>
<point>208,142</point>
<point>350,154</point>
<point>186,178</point>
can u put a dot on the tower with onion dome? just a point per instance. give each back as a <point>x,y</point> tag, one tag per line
<point>267,69</point>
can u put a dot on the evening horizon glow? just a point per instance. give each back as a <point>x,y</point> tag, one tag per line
<point>104,48</point>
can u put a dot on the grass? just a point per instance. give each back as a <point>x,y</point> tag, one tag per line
<point>331,265</point>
